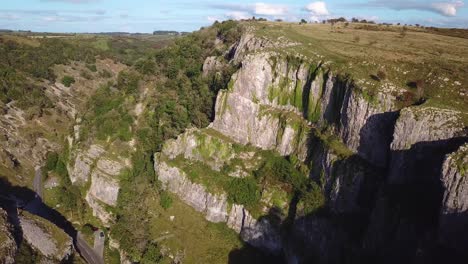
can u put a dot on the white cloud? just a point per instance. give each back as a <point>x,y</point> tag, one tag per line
<point>269,9</point>
<point>212,19</point>
<point>238,15</point>
<point>447,9</point>
<point>318,8</point>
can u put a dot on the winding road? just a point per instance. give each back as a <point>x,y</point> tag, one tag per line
<point>37,206</point>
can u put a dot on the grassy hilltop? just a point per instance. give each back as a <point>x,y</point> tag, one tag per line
<point>404,56</point>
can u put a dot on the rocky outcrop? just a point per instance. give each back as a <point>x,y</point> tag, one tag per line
<point>200,146</point>
<point>454,211</point>
<point>7,241</point>
<point>404,217</point>
<point>250,111</point>
<point>174,180</point>
<point>421,130</point>
<point>211,65</point>
<point>102,169</point>
<point>50,241</point>
<point>367,122</point>
<point>84,162</point>
<point>259,233</point>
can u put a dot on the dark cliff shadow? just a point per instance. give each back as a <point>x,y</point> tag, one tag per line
<point>397,218</point>
<point>405,225</point>
<point>453,237</point>
<point>249,253</point>
<point>376,136</point>
<point>332,112</point>
<point>32,203</point>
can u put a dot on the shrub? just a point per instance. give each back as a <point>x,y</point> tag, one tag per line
<point>382,75</point>
<point>91,67</point>
<point>152,255</point>
<point>51,162</point>
<point>128,81</point>
<point>105,74</point>
<point>165,200</point>
<point>279,169</point>
<point>313,199</point>
<point>85,74</point>
<point>68,80</point>
<point>243,191</point>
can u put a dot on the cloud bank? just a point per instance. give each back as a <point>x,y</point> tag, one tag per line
<point>445,8</point>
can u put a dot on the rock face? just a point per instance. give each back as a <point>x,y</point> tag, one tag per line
<point>454,211</point>
<point>102,169</point>
<point>211,65</point>
<point>379,167</point>
<point>405,214</point>
<point>419,130</point>
<point>249,112</point>
<point>194,145</point>
<point>173,179</point>
<point>367,124</point>
<point>7,242</point>
<point>39,236</point>
<point>271,100</point>
<point>215,151</point>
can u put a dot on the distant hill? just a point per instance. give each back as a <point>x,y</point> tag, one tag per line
<point>170,33</point>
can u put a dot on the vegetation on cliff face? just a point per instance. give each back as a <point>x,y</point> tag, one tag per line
<point>180,97</point>
<point>436,62</point>
<point>162,92</point>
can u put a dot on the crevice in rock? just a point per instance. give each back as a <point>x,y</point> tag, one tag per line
<point>307,87</point>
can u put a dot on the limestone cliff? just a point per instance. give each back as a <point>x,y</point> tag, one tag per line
<point>453,213</point>
<point>101,169</point>
<point>47,239</point>
<point>7,241</point>
<point>175,167</point>
<point>367,151</point>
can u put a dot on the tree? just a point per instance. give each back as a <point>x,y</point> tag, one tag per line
<point>152,255</point>
<point>68,80</point>
<point>303,21</point>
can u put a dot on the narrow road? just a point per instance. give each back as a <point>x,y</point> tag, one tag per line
<point>99,242</point>
<point>37,206</point>
<point>37,183</point>
<point>88,252</point>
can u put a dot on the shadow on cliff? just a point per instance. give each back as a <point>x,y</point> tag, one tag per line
<point>248,253</point>
<point>30,202</point>
<point>376,136</point>
<point>397,218</point>
<point>405,223</point>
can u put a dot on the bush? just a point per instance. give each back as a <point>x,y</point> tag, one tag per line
<point>165,200</point>
<point>152,255</point>
<point>85,74</point>
<point>279,169</point>
<point>51,162</point>
<point>382,75</point>
<point>128,82</point>
<point>91,67</point>
<point>313,199</point>
<point>243,191</point>
<point>68,80</point>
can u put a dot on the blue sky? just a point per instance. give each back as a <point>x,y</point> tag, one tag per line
<point>183,15</point>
